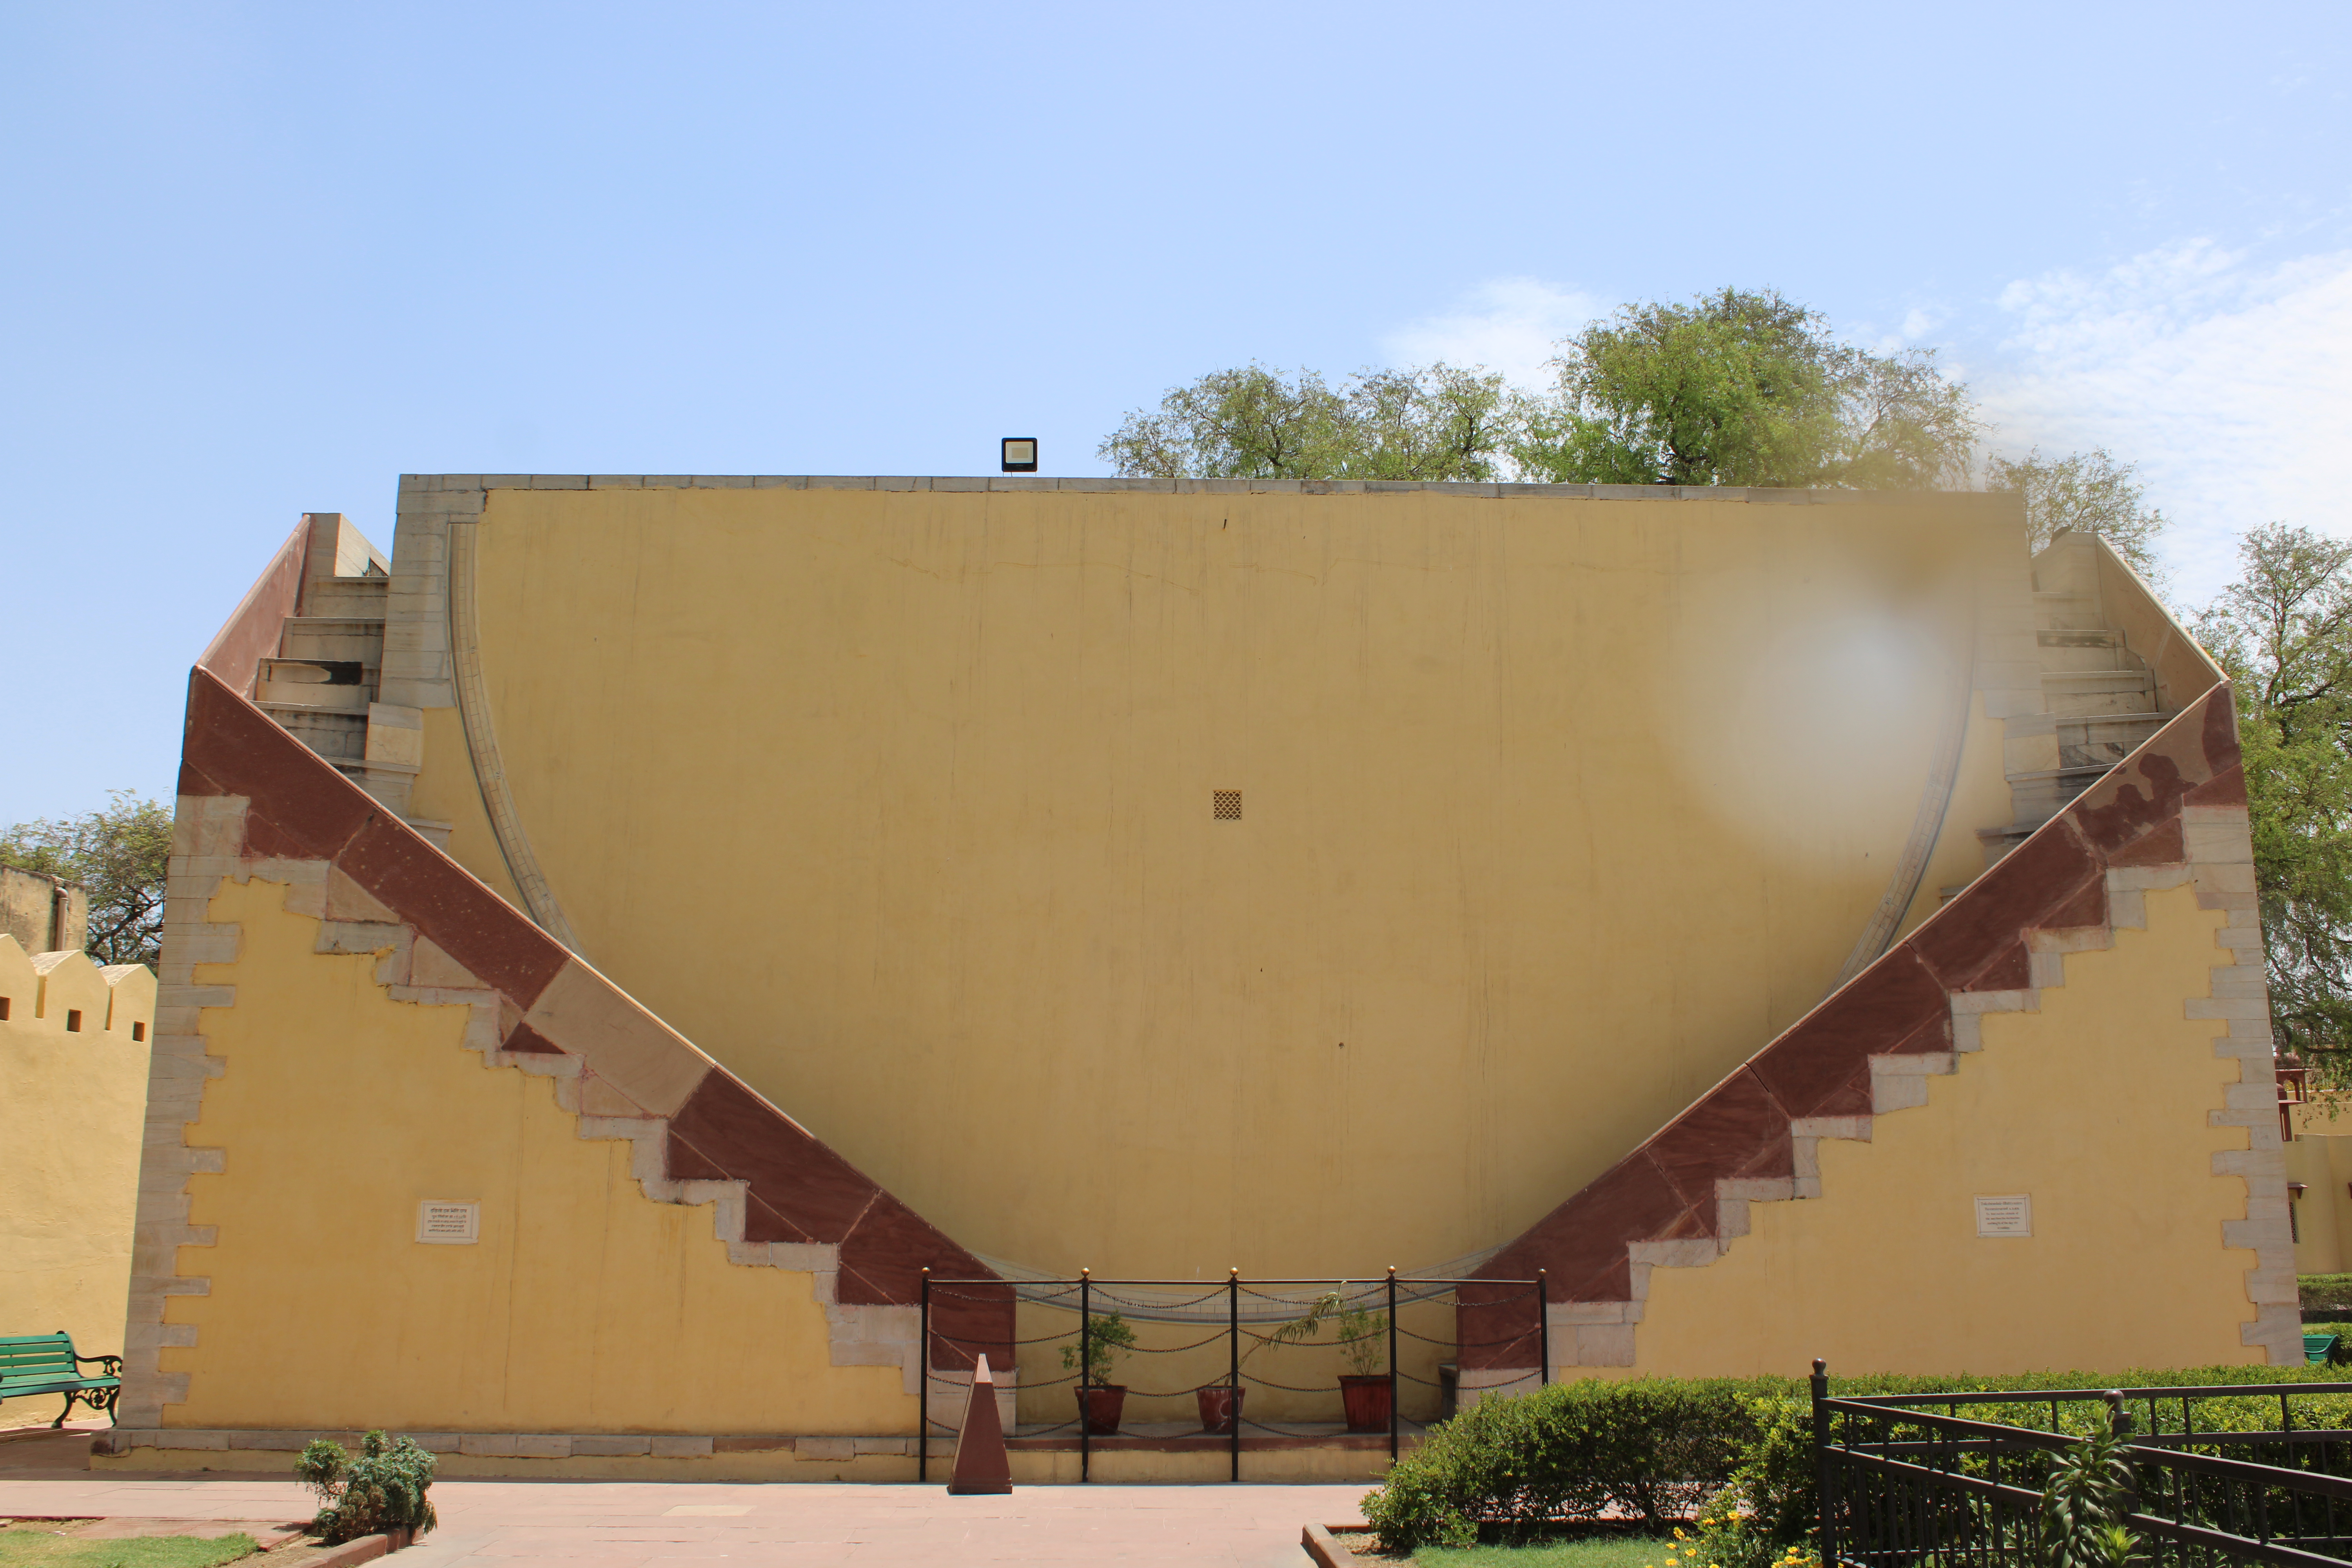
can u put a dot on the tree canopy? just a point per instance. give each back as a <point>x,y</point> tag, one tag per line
<point>119,855</point>
<point>2284,633</point>
<point>1738,387</point>
<point>2091,491</point>
<point>1744,387</point>
<point>1433,424</point>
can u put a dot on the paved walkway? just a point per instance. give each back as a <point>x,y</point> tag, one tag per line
<point>498,1524</point>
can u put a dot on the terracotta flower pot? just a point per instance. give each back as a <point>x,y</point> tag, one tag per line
<point>1366,1400</point>
<point>1220,1408</point>
<point>1099,1408</point>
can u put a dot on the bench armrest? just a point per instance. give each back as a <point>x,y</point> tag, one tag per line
<point>113,1364</point>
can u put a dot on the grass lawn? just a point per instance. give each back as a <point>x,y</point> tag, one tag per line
<point>1589,1552</point>
<point>38,1545</point>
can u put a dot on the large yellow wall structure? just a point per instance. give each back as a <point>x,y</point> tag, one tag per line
<point>1553,812</point>
<point>853,903</point>
<point>73,1081</point>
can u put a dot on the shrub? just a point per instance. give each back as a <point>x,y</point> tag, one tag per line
<point>2083,1507</point>
<point>1656,1448</point>
<point>2324,1289</point>
<point>381,1489</point>
<point>1105,1337</point>
<point>1651,1448</point>
<point>1774,1496</point>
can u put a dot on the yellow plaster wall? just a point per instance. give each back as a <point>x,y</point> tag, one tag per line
<point>2093,1106</point>
<point>2320,1156</point>
<point>937,769</point>
<point>584,1308</point>
<point>71,1110</point>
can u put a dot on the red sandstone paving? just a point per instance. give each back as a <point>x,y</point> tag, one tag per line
<point>493,1525</point>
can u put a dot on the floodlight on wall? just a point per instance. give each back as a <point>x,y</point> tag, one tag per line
<point>1020,454</point>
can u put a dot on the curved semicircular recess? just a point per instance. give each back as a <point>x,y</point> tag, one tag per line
<point>1927,826</point>
<point>482,744</point>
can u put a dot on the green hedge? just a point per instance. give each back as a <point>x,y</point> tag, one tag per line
<point>1656,1449</point>
<point>2324,1289</point>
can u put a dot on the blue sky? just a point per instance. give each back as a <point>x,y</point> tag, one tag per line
<point>261,260</point>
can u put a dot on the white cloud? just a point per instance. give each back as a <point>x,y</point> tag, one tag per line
<point>2229,382</point>
<point>1509,324</point>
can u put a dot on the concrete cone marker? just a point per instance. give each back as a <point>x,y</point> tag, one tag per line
<point>980,1462</point>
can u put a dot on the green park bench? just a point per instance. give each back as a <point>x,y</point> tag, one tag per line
<point>2319,1350</point>
<point>46,1364</point>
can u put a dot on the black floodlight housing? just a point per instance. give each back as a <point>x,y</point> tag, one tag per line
<point>1021,454</point>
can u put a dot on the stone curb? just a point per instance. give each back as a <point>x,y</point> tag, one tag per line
<point>366,1549</point>
<point>1325,1547</point>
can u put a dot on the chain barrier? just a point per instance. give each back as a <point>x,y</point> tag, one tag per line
<point>1283,1316</point>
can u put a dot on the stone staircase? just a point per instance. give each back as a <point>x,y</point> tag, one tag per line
<point>2099,697</point>
<point>321,684</point>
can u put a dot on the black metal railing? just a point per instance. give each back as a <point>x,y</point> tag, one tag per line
<point>1494,1324</point>
<point>1902,1485</point>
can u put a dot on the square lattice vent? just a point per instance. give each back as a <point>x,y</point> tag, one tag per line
<point>1226,804</point>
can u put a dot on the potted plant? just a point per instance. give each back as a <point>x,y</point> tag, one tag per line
<point>1100,1401</point>
<point>1368,1395</point>
<point>1221,1403</point>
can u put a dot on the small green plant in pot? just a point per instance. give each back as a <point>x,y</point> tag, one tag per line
<point>1366,1389</point>
<point>1100,1401</point>
<point>1221,1403</point>
<point>1363,1336</point>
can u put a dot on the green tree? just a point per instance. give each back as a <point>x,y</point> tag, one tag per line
<point>1738,387</point>
<point>1433,424</point>
<point>2090,491</point>
<point>120,855</point>
<point>2284,633</point>
<point>1744,387</point>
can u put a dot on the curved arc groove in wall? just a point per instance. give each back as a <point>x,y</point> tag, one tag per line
<point>482,742</point>
<point>1926,827</point>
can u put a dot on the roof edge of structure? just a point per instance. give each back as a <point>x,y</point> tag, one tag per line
<point>1013,484</point>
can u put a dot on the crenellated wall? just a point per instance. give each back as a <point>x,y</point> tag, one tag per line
<point>73,1075</point>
